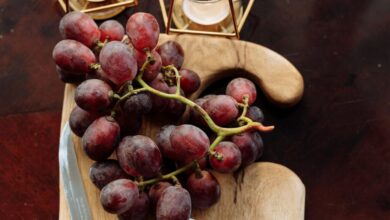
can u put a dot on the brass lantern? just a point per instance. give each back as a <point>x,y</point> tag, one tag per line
<point>210,17</point>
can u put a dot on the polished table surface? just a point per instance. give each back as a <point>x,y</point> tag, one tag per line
<point>337,139</point>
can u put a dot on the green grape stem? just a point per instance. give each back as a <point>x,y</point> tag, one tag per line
<point>221,132</point>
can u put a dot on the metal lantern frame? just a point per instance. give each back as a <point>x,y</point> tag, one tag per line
<point>65,6</point>
<point>237,26</point>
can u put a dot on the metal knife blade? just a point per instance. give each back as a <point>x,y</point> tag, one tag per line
<point>71,177</point>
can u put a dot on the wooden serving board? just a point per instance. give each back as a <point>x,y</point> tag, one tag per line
<point>262,190</point>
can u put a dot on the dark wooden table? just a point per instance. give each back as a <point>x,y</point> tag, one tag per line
<point>337,139</point>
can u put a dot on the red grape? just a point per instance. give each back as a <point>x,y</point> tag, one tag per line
<point>104,172</point>
<point>118,62</point>
<point>222,109</point>
<point>175,107</point>
<point>247,145</point>
<point>143,31</point>
<point>204,189</point>
<point>259,143</point>
<point>255,114</point>
<point>159,103</point>
<point>100,138</point>
<point>119,196</point>
<point>139,210</point>
<point>111,30</point>
<point>93,95</point>
<point>164,143</point>
<point>156,190</point>
<point>130,123</point>
<point>140,153</point>
<point>189,81</point>
<point>73,56</point>
<point>171,53</point>
<point>174,204</point>
<point>79,120</point>
<point>153,69</point>
<point>139,104</point>
<point>231,157</point>
<point>80,26</point>
<point>67,76</point>
<point>189,142</point>
<point>239,87</point>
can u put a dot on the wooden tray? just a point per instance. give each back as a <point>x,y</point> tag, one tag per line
<point>263,190</point>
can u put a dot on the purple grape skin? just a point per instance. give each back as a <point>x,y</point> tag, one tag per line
<point>153,69</point>
<point>171,53</point>
<point>189,81</point>
<point>255,114</point>
<point>175,107</point>
<point>143,31</point>
<point>93,95</point>
<point>189,142</point>
<point>239,87</point>
<point>139,210</point>
<point>118,62</point>
<point>140,153</point>
<point>80,27</point>
<point>79,120</point>
<point>159,104</point>
<point>100,138</point>
<point>222,109</point>
<point>67,76</point>
<point>164,143</point>
<point>104,172</point>
<point>111,30</point>
<point>231,157</point>
<point>155,192</point>
<point>248,148</point>
<point>119,196</point>
<point>174,204</point>
<point>139,104</point>
<point>259,143</point>
<point>73,56</point>
<point>204,189</point>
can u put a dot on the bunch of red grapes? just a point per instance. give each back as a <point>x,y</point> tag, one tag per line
<point>123,76</point>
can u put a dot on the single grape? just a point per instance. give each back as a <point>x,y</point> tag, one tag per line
<point>139,210</point>
<point>189,142</point>
<point>222,109</point>
<point>164,143</point>
<point>119,196</point>
<point>111,30</point>
<point>73,56</point>
<point>81,27</point>
<point>189,81</point>
<point>93,95</point>
<point>140,153</point>
<point>130,123</point>
<point>204,189</point>
<point>171,53</point>
<point>104,172</point>
<point>255,114</point>
<point>159,103</point>
<point>239,87</point>
<point>248,148</point>
<point>231,157</point>
<point>100,138</point>
<point>79,120</point>
<point>118,62</point>
<point>259,143</point>
<point>174,204</point>
<point>153,69</point>
<point>175,107</point>
<point>143,31</point>
<point>139,104</point>
<point>67,76</point>
<point>155,192</point>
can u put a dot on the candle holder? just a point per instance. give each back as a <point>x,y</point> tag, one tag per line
<point>97,9</point>
<point>208,17</point>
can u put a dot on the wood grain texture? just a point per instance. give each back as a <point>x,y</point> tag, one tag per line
<point>266,190</point>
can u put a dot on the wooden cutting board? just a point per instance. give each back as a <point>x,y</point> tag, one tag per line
<point>263,190</point>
